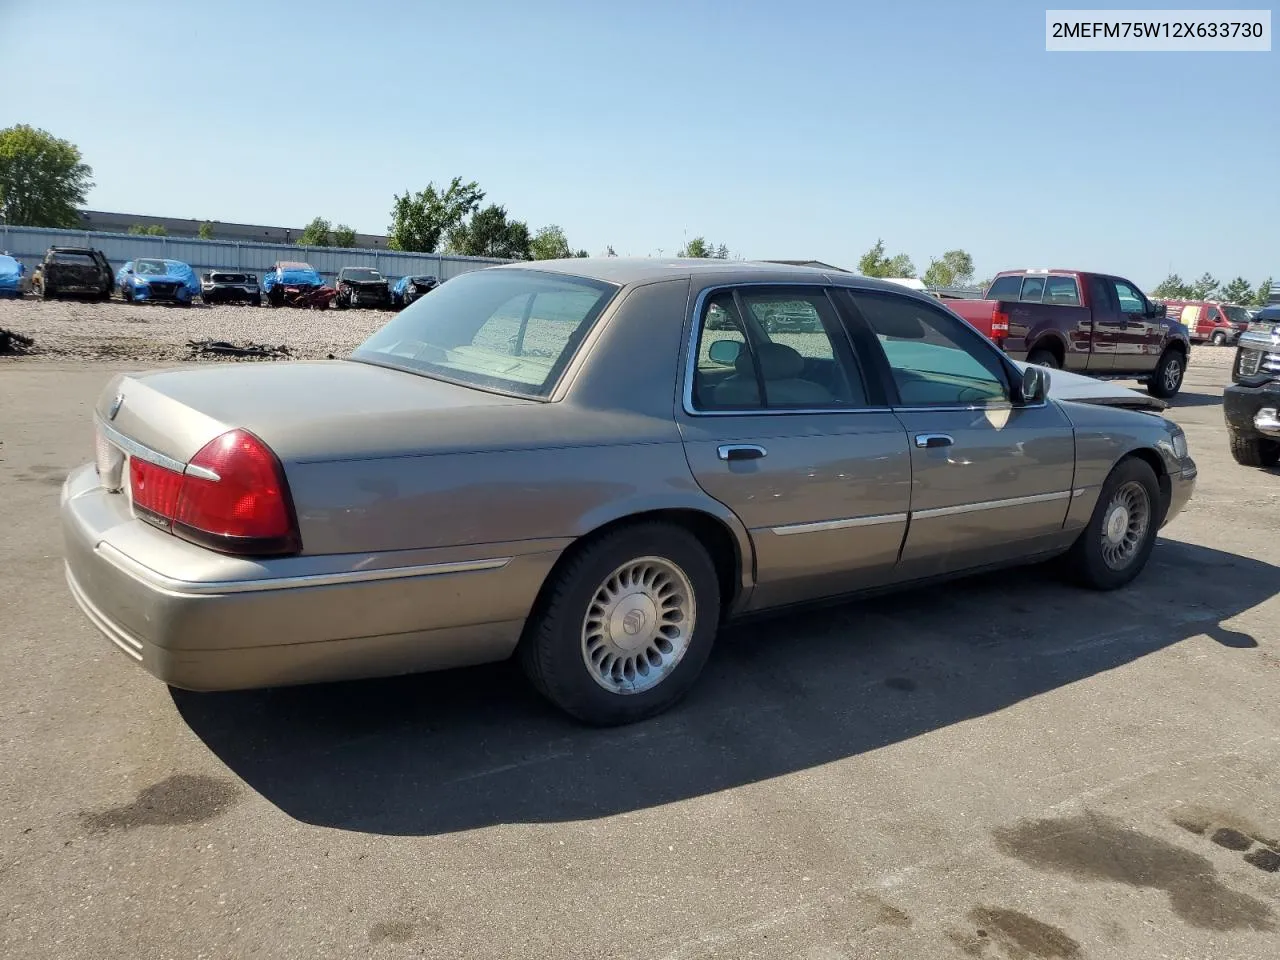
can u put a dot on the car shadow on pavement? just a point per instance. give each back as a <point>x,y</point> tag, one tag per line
<point>1187,398</point>
<point>444,752</point>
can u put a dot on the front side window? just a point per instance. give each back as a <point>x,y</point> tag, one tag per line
<point>935,359</point>
<point>1131,300</point>
<point>774,349</point>
<point>508,330</point>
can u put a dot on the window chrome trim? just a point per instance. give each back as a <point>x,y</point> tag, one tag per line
<point>989,505</point>
<point>823,525</point>
<point>134,449</point>
<point>691,356</point>
<point>141,571</point>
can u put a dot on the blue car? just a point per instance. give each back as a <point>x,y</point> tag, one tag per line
<point>410,288</point>
<point>158,281</point>
<point>11,272</point>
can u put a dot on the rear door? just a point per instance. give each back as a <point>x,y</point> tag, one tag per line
<point>1109,325</point>
<point>990,481</point>
<point>781,424</point>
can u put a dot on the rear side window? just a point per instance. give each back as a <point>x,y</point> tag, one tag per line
<point>1062,291</point>
<point>1032,290</point>
<point>774,350</point>
<point>1005,288</point>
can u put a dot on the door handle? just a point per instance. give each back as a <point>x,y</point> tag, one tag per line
<point>740,451</point>
<point>931,440</point>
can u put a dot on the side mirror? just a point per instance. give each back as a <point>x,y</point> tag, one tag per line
<point>724,352</point>
<point>1032,388</point>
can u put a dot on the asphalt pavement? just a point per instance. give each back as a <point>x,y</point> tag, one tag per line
<point>1004,768</point>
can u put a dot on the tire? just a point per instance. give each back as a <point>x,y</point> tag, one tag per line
<point>1093,565</point>
<point>1219,339</point>
<point>1043,358</point>
<point>558,646</point>
<point>1255,451</point>
<point>257,301</point>
<point>1166,379</point>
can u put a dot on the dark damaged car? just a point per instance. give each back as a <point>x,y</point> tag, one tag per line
<point>78,271</point>
<point>362,287</point>
<point>227,286</point>
<point>293,284</point>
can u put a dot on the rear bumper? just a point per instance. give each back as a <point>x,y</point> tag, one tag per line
<point>202,621</point>
<point>1253,411</point>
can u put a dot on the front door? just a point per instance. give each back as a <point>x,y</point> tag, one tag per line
<point>1140,337</point>
<point>780,425</point>
<point>991,481</point>
<point>1109,325</point>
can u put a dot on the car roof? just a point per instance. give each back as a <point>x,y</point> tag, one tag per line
<point>639,270</point>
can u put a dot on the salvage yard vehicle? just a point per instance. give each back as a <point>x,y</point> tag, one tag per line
<point>1208,321</point>
<point>11,275</point>
<point>1091,323</point>
<point>82,271</point>
<point>409,288</point>
<point>151,280</point>
<point>362,287</point>
<point>293,284</point>
<point>1251,404</point>
<point>570,464</point>
<point>222,286</point>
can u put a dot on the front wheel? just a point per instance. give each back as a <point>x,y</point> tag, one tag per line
<point>1255,451</point>
<point>1166,380</point>
<point>625,627</point>
<point>1219,339</point>
<point>1116,543</point>
<point>1043,358</point>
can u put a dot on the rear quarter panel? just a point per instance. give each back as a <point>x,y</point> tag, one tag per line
<point>1033,325</point>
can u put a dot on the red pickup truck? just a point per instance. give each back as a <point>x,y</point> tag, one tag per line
<point>1090,323</point>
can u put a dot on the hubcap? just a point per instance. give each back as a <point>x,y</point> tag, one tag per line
<point>1124,525</point>
<point>1173,374</point>
<point>638,625</point>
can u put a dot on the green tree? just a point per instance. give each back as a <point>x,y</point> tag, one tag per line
<point>939,274</point>
<point>317,233</point>
<point>155,230</point>
<point>1204,288</point>
<point>722,252</point>
<point>206,231</point>
<point>985,285</point>
<point>697,248</point>
<point>1262,296</point>
<point>42,179</point>
<point>419,222</point>
<point>582,254</point>
<point>490,233</point>
<point>549,243</point>
<point>344,236</point>
<point>874,263</point>
<point>1237,291</point>
<point>609,252</point>
<point>1172,287</point>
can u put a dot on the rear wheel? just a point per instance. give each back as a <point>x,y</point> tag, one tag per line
<point>625,626</point>
<point>1115,545</point>
<point>1255,451</point>
<point>1166,380</point>
<point>1043,358</point>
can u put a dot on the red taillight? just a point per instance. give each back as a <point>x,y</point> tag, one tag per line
<point>231,497</point>
<point>999,324</point>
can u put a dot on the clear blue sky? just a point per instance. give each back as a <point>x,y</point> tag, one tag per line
<point>783,129</point>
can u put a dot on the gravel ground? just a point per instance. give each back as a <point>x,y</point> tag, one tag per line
<point>74,330</point>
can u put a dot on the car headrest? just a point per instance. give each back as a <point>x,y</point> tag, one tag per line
<point>777,361</point>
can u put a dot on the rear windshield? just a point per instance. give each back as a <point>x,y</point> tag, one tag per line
<point>508,330</point>
<point>78,259</point>
<point>361,274</point>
